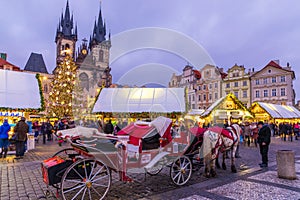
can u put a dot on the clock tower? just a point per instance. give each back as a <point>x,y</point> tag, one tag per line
<point>66,37</point>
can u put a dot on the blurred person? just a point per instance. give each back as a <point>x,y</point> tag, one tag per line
<point>254,133</point>
<point>21,129</point>
<point>296,130</point>
<point>109,128</point>
<point>264,139</point>
<point>4,129</point>
<point>247,133</point>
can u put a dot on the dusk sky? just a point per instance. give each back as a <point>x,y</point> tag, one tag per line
<point>249,33</point>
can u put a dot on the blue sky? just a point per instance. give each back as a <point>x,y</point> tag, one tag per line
<point>249,33</point>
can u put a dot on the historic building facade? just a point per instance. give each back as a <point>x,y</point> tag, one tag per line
<point>91,57</point>
<point>273,84</point>
<point>203,87</point>
<point>237,82</point>
<point>208,88</point>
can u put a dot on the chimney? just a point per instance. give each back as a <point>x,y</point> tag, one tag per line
<point>249,71</point>
<point>253,69</point>
<point>288,65</point>
<point>277,61</point>
<point>3,56</point>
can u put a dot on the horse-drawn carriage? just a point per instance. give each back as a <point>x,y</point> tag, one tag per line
<point>84,171</point>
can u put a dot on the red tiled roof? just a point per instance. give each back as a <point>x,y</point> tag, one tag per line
<point>197,74</point>
<point>274,64</point>
<point>4,62</point>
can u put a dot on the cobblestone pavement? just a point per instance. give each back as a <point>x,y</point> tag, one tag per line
<point>22,179</point>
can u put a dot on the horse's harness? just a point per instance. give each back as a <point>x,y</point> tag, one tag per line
<point>220,142</point>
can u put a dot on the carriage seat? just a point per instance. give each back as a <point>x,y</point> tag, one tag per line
<point>151,141</point>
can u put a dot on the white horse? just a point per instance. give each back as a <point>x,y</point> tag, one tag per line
<point>216,139</point>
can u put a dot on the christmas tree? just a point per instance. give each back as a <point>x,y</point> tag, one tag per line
<point>62,87</point>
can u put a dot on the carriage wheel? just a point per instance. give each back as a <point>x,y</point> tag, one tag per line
<point>154,170</point>
<point>67,153</point>
<point>181,170</point>
<point>86,179</point>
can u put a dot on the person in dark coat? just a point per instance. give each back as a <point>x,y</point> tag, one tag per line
<point>4,129</point>
<point>264,140</point>
<point>284,130</point>
<point>21,129</point>
<point>109,127</point>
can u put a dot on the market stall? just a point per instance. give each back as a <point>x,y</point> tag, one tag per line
<point>19,97</point>
<point>193,117</point>
<point>268,112</point>
<point>140,103</point>
<point>226,108</point>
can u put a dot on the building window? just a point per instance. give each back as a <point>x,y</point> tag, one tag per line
<point>257,93</point>
<point>274,93</point>
<point>204,87</point>
<point>210,86</point>
<point>199,87</point>
<point>193,106</point>
<point>257,81</point>
<point>236,84</point>
<point>269,71</point>
<point>101,55</point>
<point>265,93</point>
<point>227,85</point>
<point>282,91</point>
<point>236,93</point>
<point>204,97</point>
<point>245,94</point>
<point>282,79</point>
<point>265,81</point>
<point>244,83</point>
<point>193,97</point>
<point>216,95</point>
<point>45,88</point>
<point>189,98</point>
<point>216,85</point>
<point>210,97</point>
<point>273,79</point>
<point>199,98</point>
<point>226,92</point>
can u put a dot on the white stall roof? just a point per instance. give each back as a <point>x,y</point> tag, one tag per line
<point>195,112</point>
<point>212,106</point>
<point>137,100</point>
<point>280,111</point>
<point>19,90</point>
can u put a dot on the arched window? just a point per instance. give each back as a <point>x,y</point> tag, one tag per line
<point>84,80</point>
<point>101,55</point>
<point>67,46</point>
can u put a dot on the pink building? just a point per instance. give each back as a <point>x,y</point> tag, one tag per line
<point>273,84</point>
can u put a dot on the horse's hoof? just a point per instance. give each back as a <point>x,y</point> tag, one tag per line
<point>213,173</point>
<point>224,166</point>
<point>207,175</point>
<point>233,169</point>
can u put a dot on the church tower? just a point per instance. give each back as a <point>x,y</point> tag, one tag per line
<point>66,37</point>
<point>100,46</point>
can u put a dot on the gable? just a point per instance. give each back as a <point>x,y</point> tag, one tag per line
<point>270,71</point>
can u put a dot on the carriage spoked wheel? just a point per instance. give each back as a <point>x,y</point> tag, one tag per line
<point>67,153</point>
<point>86,179</point>
<point>181,170</point>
